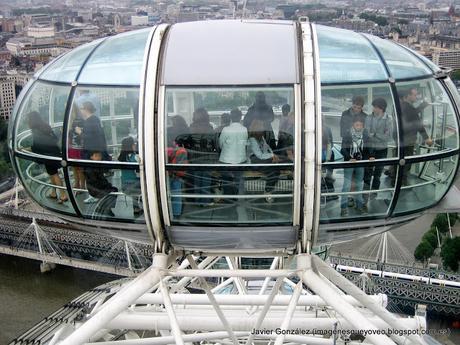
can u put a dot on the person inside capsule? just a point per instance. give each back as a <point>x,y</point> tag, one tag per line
<point>285,145</point>
<point>355,147</point>
<point>92,134</point>
<point>379,126</point>
<point>412,125</point>
<point>260,152</point>
<point>99,188</point>
<point>45,142</point>
<point>177,142</point>
<point>75,150</point>
<point>232,142</point>
<point>346,123</point>
<point>263,112</point>
<point>203,151</point>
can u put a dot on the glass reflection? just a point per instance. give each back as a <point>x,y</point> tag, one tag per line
<point>247,138</point>
<point>110,194</point>
<point>228,196</point>
<point>346,192</point>
<point>428,120</point>
<point>100,119</point>
<point>66,68</point>
<point>374,104</point>
<point>402,63</point>
<point>425,183</point>
<point>123,53</point>
<point>347,56</point>
<point>46,103</point>
<point>45,182</point>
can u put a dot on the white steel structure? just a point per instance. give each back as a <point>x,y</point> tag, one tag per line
<point>271,305</point>
<point>293,92</point>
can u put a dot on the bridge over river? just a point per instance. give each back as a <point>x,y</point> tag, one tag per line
<point>41,236</point>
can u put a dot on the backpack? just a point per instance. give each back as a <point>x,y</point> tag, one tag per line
<point>177,155</point>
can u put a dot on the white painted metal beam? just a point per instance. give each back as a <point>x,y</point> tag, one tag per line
<point>195,321</point>
<point>122,300</point>
<point>347,311</point>
<point>352,290</point>
<point>248,300</point>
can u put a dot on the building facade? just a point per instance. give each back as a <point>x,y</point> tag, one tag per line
<point>448,58</point>
<point>7,97</point>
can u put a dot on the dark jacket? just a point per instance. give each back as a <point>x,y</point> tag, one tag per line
<point>97,184</point>
<point>411,123</point>
<point>347,144</point>
<point>75,138</point>
<point>346,121</point>
<point>93,135</point>
<point>45,143</point>
<point>264,113</point>
<point>327,141</point>
<point>380,129</point>
<point>202,142</point>
<point>285,142</point>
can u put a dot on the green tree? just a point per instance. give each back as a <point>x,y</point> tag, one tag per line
<point>450,253</point>
<point>440,221</point>
<point>5,170</point>
<point>379,20</point>
<point>455,75</point>
<point>432,230</point>
<point>431,238</point>
<point>396,29</point>
<point>423,251</point>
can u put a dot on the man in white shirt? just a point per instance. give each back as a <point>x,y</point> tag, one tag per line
<point>232,142</point>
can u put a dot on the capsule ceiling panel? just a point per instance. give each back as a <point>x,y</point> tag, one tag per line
<point>231,53</point>
<point>117,61</point>
<point>66,67</point>
<point>347,56</point>
<point>402,63</point>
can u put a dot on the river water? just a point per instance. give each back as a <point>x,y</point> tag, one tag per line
<point>27,296</point>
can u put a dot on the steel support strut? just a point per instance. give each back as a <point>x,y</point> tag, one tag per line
<point>147,304</point>
<point>122,300</point>
<point>346,310</point>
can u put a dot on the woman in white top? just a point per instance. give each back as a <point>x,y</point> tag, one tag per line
<point>232,142</point>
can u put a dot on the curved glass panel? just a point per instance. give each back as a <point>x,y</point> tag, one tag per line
<point>16,108</point>
<point>108,194</point>
<point>429,122</point>
<point>117,61</point>
<point>435,68</point>
<point>402,64</point>
<point>40,120</point>
<point>355,192</point>
<point>66,68</point>
<point>425,183</point>
<point>45,183</point>
<point>346,56</point>
<point>229,155</point>
<point>453,91</point>
<point>101,118</point>
<point>371,104</point>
